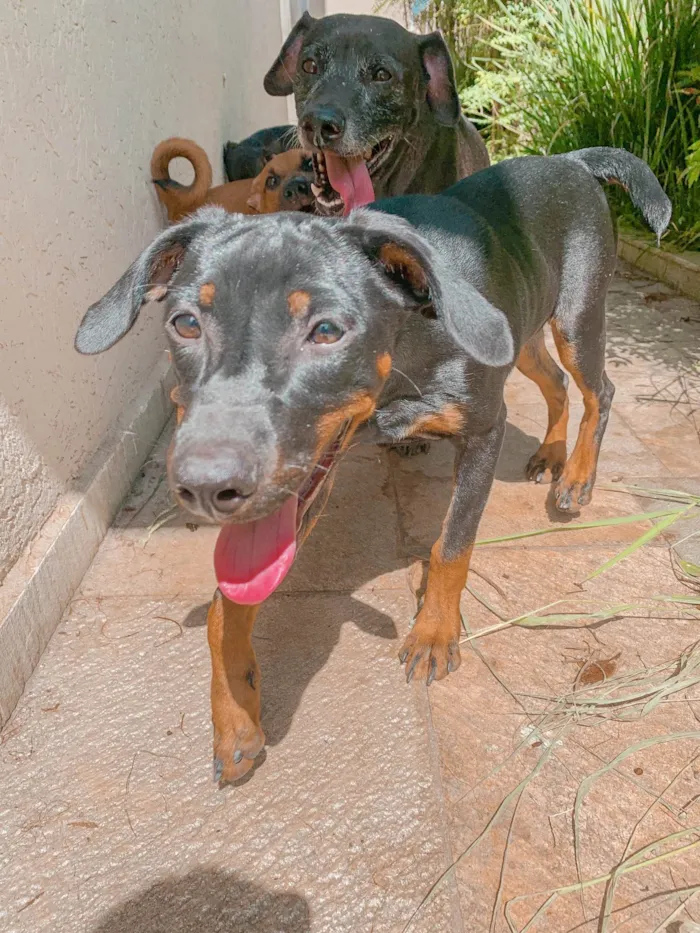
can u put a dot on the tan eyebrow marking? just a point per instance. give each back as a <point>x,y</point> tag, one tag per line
<point>206,294</point>
<point>298,302</point>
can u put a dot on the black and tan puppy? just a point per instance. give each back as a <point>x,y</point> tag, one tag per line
<point>378,106</point>
<point>291,333</point>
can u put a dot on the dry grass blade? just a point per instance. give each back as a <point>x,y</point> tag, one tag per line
<point>632,863</point>
<point>647,492</point>
<point>586,785</point>
<point>643,539</point>
<point>582,526</point>
<point>536,619</point>
<point>159,521</point>
<point>664,925</point>
<point>513,795</point>
<point>608,901</point>
<point>630,696</point>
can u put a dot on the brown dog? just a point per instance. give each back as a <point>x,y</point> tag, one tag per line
<point>283,185</point>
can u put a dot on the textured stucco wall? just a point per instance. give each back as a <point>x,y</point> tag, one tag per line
<point>87,88</point>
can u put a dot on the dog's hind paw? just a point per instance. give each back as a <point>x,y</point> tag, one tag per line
<point>550,457</point>
<point>570,497</point>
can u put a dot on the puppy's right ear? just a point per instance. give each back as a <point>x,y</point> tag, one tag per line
<point>146,280</point>
<point>279,80</point>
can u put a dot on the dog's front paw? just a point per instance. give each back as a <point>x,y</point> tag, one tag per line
<point>550,457</point>
<point>429,654</point>
<point>236,745</point>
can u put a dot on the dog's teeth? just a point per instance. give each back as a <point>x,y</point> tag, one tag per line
<point>367,154</point>
<point>316,191</point>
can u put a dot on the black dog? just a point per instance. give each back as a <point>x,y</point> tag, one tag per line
<point>290,332</point>
<point>249,157</point>
<point>378,107</point>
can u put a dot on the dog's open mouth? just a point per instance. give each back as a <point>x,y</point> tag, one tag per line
<point>252,558</point>
<point>345,182</point>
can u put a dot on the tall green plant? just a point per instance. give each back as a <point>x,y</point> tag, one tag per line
<point>599,73</point>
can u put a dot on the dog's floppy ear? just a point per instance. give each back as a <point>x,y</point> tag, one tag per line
<point>410,262</point>
<point>146,280</point>
<point>279,80</point>
<point>442,91</point>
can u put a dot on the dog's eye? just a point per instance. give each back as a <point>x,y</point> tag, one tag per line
<point>272,181</point>
<point>309,66</point>
<point>381,74</point>
<point>307,164</point>
<point>187,326</point>
<point>326,332</point>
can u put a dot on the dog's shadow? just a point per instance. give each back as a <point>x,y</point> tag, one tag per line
<point>299,628</point>
<point>205,896</point>
<point>294,637</point>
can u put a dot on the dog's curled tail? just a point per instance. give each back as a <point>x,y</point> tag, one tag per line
<point>635,176</point>
<point>178,199</point>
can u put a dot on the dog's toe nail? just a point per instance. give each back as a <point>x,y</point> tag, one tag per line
<point>218,769</point>
<point>433,670</point>
<point>403,655</point>
<point>412,666</point>
<point>237,756</point>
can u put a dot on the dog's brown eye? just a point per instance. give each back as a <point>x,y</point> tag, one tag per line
<point>381,74</point>
<point>310,66</point>
<point>187,326</point>
<point>272,181</point>
<point>326,332</point>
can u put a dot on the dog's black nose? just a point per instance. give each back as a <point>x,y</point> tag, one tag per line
<point>297,188</point>
<point>215,482</point>
<point>323,125</point>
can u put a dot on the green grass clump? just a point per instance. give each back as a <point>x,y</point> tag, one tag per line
<point>570,74</point>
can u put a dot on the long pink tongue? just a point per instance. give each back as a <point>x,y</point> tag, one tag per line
<point>252,559</point>
<point>350,178</point>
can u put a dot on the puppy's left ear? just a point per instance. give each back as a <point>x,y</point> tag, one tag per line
<point>279,81</point>
<point>145,281</point>
<point>410,263</point>
<point>443,99</point>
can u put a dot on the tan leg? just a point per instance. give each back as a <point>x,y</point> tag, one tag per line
<point>575,487</point>
<point>536,363</point>
<point>235,688</point>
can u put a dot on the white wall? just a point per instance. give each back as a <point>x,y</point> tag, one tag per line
<point>87,89</point>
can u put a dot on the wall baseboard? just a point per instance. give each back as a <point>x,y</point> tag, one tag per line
<point>39,587</point>
<point>675,269</point>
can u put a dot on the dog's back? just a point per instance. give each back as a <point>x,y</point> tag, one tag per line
<point>525,230</point>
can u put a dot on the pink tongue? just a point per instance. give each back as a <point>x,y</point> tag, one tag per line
<point>350,178</point>
<point>252,559</point>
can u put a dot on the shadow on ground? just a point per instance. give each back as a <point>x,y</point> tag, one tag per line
<point>211,901</point>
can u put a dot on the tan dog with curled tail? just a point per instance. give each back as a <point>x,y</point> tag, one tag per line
<point>283,185</point>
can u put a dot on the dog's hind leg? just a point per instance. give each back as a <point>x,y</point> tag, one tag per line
<point>579,333</point>
<point>536,363</point>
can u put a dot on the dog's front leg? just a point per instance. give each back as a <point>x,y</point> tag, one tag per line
<point>235,688</point>
<point>431,650</point>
